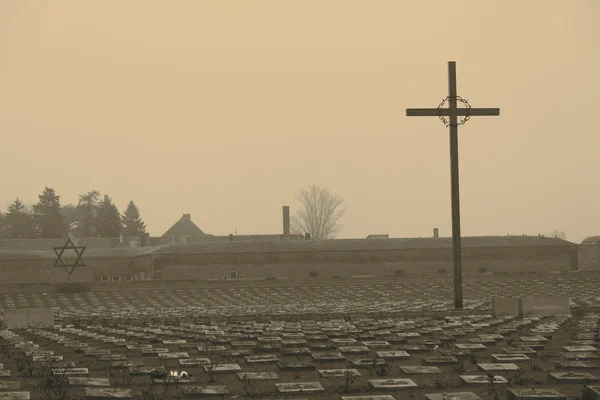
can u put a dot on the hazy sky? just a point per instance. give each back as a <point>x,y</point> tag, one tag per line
<point>223,109</point>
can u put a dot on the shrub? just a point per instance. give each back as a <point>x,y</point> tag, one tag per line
<point>441,270</point>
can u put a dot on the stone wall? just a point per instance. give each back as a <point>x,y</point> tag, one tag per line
<point>588,257</point>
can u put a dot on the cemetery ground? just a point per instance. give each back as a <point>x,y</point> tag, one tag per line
<point>329,339</point>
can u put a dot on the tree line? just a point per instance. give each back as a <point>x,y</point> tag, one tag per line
<point>92,216</point>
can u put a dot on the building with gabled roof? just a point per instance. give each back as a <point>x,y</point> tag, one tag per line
<point>185,227</point>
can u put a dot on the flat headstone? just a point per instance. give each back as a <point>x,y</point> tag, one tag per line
<point>338,373</point>
<point>579,356</point>
<point>328,356</point>
<point>204,391</point>
<point>270,358</point>
<point>223,368</point>
<point>482,379</point>
<point>372,397</point>
<point>194,361</point>
<point>107,393</point>
<point>147,370</point>
<point>354,349</point>
<point>528,351</point>
<point>440,360</point>
<point>173,356</point>
<point>258,376</point>
<point>452,396</point>
<point>71,371</point>
<point>390,354</point>
<point>112,357</point>
<point>78,381</point>
<point>15,395</point>
<point>571,376</point>
<point>510,357</point>
<point>299,387</point>
<point>10,385</point>
<point>420,369</point>
<point>572,364</point>
<point>4,373</point>
<point>126,364</point>
<point>392,384</point>
<point>470,346</point>
<point>295,366</point>
<point>574,349</point>
<point>369,362</point>
<point>534,394</point>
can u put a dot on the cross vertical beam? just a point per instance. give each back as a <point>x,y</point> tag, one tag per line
<point>454,182</point>
<point>454,112</point>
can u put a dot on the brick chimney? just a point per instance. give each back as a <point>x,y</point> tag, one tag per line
<point>436,233</point>
<point>286,221</point>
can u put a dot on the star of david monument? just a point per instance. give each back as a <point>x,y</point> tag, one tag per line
<point>449,116</point>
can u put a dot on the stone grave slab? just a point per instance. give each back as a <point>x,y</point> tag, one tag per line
<point>482,379</point>
<point>269,358</point>
<point>390,354</point>
<point>299,387</point>
<point>295,351</point>
<point>222,368</point>
<point>147,370</point>
<point>71,371</point>
<point>452,396</point>
<point>107,393</point>
<point>420,369</point>
<point>173,356</point>
<point>372,397</point>
<point>459,353</point>
<point>328,356</point>
<point>4,373</point>
<point>126,364</point>
<point>582,349</point>
<point>376,344</point>
<point>10,385</point>
<point>573,376</point>
<point>204,391</point>
<point>338,373</point>
<point>510,357</point>
<point>392,384</point>
<point>470,346</point>
<point>579,356</point>
<point>440,360</point>
<point>78,381</point>
<point>15,395</point>
<point>528,351</point>
<point>258,376</point>
<point>354,349</point>
<point>194,362</point>
<point>497,367</point>
<point>572,364</point>
<point>113,357</point>
<point>534,394</point>
<point>295,366</point>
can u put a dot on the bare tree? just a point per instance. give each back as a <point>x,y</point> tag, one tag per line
<point>319,214</point>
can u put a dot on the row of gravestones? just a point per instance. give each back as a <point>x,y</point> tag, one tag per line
<point>330,334</point>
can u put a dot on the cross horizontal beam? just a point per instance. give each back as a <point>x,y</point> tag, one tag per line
<point>447,112</point>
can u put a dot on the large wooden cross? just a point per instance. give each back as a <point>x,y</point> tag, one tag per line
<point>453,112</point>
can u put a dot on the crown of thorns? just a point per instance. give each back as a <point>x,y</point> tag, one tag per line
<point>458,99</point>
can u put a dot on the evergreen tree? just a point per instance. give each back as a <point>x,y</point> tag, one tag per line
<point>47,216</point>
<point>132,222</point>
<point>3,234</point>
<point>87,212</point>
<point>108,223</point>
<point>19,222</point>
<point>69,214</point>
